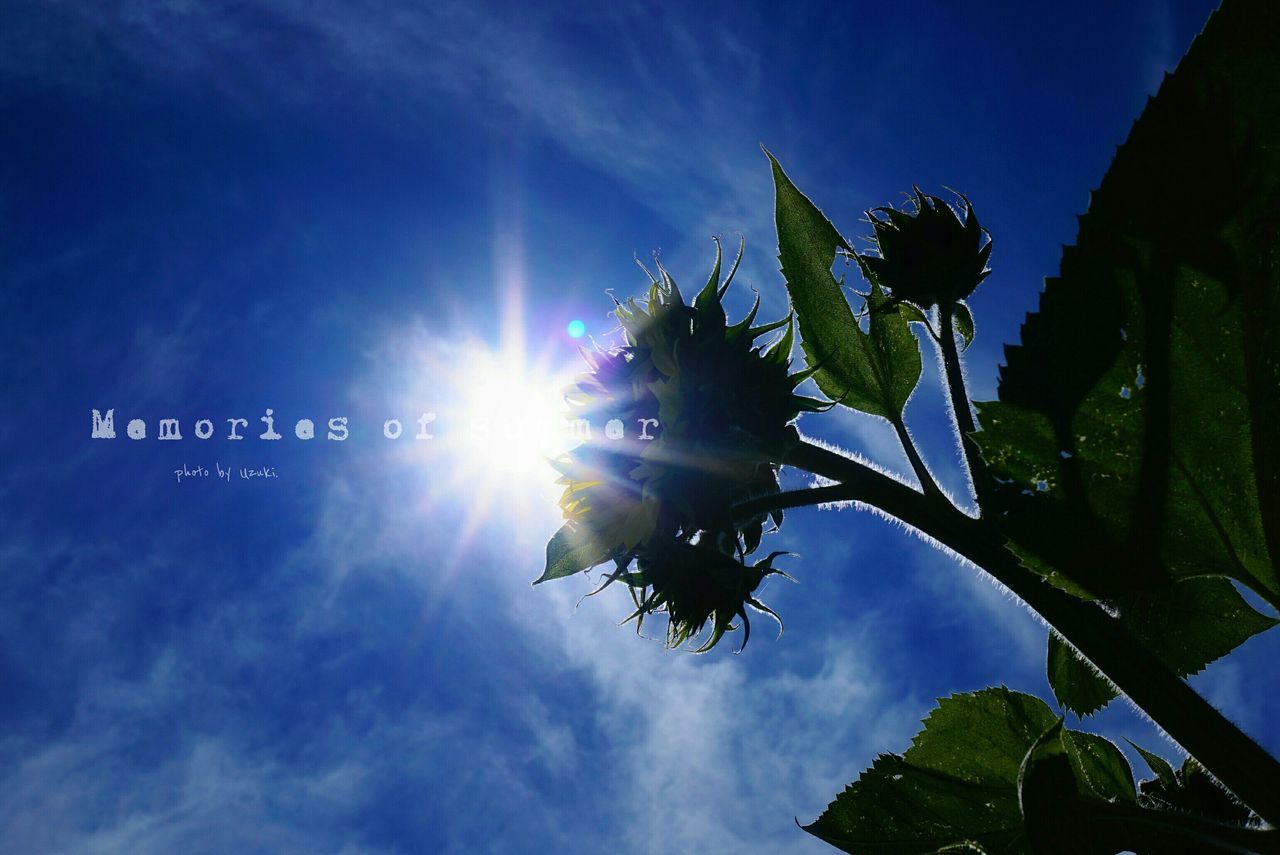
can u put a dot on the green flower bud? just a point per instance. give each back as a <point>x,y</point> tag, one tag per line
<point>930,255</point>
<point>724,409</point>
<point>695,585</point>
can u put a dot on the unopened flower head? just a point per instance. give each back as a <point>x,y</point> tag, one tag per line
<point>929,255</point>
<point>696,585</point>
<point>725,407</point>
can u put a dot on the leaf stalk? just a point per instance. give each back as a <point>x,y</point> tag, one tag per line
<point>961,409</point>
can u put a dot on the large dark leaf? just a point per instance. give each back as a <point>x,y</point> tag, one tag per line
<point>1137,435</point>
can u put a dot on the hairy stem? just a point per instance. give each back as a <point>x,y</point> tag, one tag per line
<point>1223,749</point>
<point>927,483</point>
<point>793,499</point>
<point>961,409</point>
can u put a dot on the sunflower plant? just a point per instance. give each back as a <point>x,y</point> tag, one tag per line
<point>1125,486</point>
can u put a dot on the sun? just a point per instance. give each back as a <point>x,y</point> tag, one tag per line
<point>498,420</point>
<point>515,417</point>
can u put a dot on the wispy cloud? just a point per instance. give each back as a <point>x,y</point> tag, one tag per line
<point>675,122</point>
<point>286,703</point>
<point>173,753</point>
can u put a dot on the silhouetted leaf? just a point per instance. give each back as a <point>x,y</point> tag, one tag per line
<point>1159,766</point>
<point>1048,797</point>
<point>1136,441</point>
<point>1173,801</point>
<point>1192,622</point>
<point>957,786</point>
<point>873,371</point>
<point>1188,625</point>
<point>1192,791</point>
<point>1075,683</point>
<point>1101,771</point>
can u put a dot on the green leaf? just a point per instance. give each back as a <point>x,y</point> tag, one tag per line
<point>570,550</point>
<point>893,351</point>
<point>1188,625</point>
<point>957,782</point>
<point>1190,791</point>
<point>957,786</point>
<point>914,314</point>
<point>1048,797</point>
<point>1101,771</point>
<point>1160,767</point>
<point>1075,683</point>
<point>1136,442</point>
<point>1192,622</point>
<point>874,371</point>
<point>1065,777</point>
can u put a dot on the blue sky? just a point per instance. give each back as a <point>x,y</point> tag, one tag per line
<point>334,209</point>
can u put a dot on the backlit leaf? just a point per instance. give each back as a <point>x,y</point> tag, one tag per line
<point>1188,624</point>
<point>570,550</point>
<point>957,787</point>
<point>874,371</point>
<point>1075,683</point>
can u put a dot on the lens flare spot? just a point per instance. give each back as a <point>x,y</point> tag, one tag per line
<point>576,329</point>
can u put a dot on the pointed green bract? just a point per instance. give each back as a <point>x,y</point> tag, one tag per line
<point>873,371</point>
<point>958,783</point>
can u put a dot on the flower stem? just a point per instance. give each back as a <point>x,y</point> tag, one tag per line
<point>961,409</point>
<point>927,483</point>
<point>794,499</point>
<point>1223,749</point>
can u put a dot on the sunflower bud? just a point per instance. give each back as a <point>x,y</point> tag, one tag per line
<point>724,408</point>
<point>694,585</point>
<point>930,255</point>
